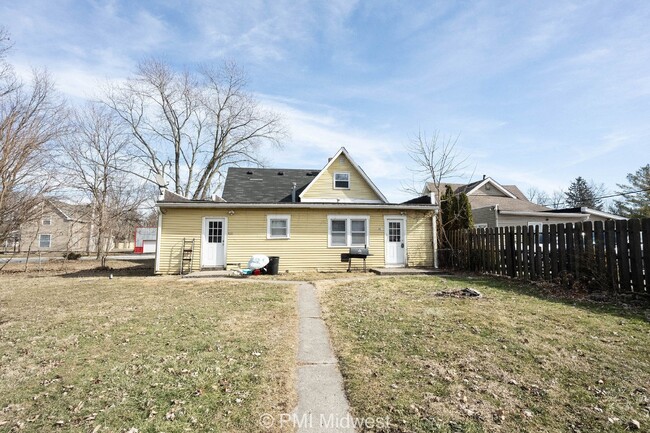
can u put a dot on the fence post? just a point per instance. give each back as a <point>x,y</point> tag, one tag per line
<point>599,254</point>
<point>538,253</point>
<point>636,262</point>
<point>570,248</point>
<point>561,242</point>
<point>623,255</point>
<point>610,253</point>
<point>554,252</point>
<point>645,227</point>
<point>510,251</point>
<point>578,249</point>
<point>502,250</point>
<point>547,258</point>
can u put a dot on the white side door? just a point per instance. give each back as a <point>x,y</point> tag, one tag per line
<point>213,252</point>
<point>395,240</point>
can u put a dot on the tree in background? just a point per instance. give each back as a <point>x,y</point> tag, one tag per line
<point>455,211</point>
<point>195,123</point>
<point>434,159</point>
<point>32,118</point>
<point>584,194</point>
<point>636,195</point>
<point>538,196</point>
<point>92,163</point>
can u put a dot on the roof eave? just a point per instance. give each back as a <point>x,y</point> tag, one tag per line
<point>231,205</point>
<point>541,214</point>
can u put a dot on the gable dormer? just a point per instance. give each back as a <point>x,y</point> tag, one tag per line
<point>342,180</point>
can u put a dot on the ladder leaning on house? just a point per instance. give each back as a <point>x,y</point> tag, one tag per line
<point>187,256</point>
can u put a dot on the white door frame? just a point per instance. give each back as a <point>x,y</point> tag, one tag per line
<point>204,237</point>
<point>402,219</point>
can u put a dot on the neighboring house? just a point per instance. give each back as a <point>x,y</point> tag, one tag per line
<point>308,218</point>
<point>58,227</point>
<point>145,240</point>
<point>496,205</point>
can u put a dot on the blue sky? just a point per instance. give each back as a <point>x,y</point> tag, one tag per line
<point>539,92</point>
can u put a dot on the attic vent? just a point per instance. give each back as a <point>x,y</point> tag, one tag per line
<point>280,173</point>
<point>249,172</point>
<point>488,187</point>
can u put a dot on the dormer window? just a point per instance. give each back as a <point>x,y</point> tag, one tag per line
<point>341,180</point>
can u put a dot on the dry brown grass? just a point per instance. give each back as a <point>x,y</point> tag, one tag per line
<point>87,353</point>
<point>511,361</point>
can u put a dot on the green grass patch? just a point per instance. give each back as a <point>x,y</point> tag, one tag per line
<point>511,361</point>
<point>155,354</point>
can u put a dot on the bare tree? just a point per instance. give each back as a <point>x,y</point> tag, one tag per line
<point>556,200</point>
<point>92,162</point>
<point>434,159</point>
<point>538,196</point>
<point>32,119</point>
<point>195,123</point>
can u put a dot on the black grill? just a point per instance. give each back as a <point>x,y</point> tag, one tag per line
<point>356,253</point>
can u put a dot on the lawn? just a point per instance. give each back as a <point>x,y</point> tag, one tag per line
<point>512,361</point>
<point>86,353</point>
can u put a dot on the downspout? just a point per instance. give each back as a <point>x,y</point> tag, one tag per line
<point>158,236</point>
<point>496,215</point>
<point>434,237</point>
<point>434,232</point>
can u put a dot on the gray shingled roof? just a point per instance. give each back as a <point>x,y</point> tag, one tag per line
<point>521,203</point>
<point>265,185</point>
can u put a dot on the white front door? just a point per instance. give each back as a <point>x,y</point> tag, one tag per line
<point>395,231</point>
<point>213,252</point>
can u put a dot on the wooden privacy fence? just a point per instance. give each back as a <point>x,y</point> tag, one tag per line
<point>609,254</point>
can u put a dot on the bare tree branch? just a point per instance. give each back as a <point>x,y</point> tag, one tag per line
<point>197,123</point>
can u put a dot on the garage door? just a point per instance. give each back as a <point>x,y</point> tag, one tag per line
<point>148,247</point>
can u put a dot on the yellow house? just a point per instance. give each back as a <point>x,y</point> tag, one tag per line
<point>307,218</point>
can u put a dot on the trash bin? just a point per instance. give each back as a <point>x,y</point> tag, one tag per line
<point>273,266</point>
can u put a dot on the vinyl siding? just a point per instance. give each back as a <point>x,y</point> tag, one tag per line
<point>323,188</point>
<point>306,249</point>
<point>419,238</point>
<point>65,235</point>
<point>484,215</point>
<point>490,190</point>
<point>516,220</point>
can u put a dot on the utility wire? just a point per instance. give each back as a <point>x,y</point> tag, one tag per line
<point>600,197</point>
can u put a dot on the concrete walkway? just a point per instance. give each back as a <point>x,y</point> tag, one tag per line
<point>322,406</point>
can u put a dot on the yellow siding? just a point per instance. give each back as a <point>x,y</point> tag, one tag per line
<point>307,248</point>
<point>419,238</point>
<point>323,188</point>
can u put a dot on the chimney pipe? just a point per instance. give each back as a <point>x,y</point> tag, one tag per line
<point>293,193</point>
<point>483,177</point>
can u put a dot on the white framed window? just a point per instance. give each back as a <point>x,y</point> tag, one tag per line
<point>348,231</point>
<point>480,225</point>
<point>44,241</point>
<point>46,221</point>
<point>278,226</point>
<point>341,180</point>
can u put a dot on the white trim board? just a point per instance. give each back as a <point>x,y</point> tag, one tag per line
<point>496,185</point>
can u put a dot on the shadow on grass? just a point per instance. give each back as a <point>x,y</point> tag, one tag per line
<point>558,294</point>
<point>127,268</point>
